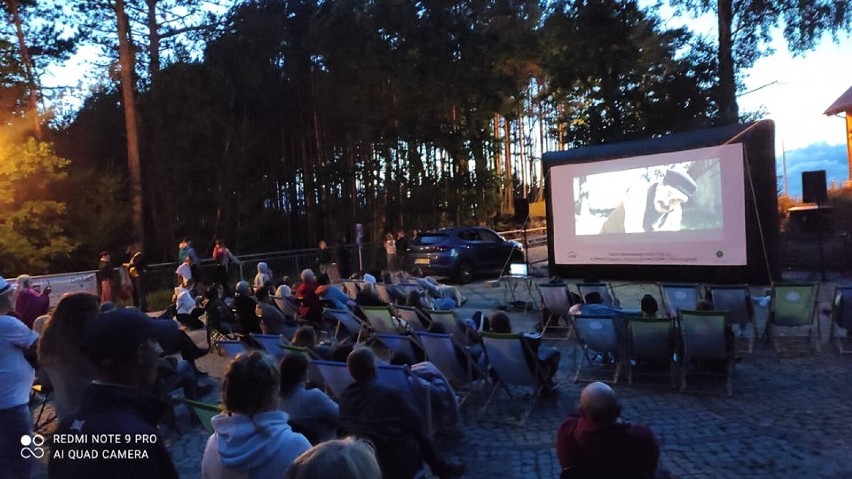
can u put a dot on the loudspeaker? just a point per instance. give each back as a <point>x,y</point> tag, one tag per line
<point>813,187</point>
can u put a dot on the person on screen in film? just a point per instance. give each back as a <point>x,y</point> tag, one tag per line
<point>652,207</point>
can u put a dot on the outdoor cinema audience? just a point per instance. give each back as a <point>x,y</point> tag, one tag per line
<point>310,306</point>
<point>252,438</point>
<point>311,411</point>
<point>272,320</point>
<point>544,361</point>
<point>593,443</point>
<point>246,306</point>
<point>347,458</point>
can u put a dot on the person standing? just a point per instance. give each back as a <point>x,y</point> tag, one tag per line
<point>136,268</point>
<point>344,259</point>
<point>390,251</point>
<point>402,245</point>
<point>105,275</point>
<point>31,303</point>
<point>223,258</point>
<point>324,257</point>
<point>16,379</point>
<point>186,249</point>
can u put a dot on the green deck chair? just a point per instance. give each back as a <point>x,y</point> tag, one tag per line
<point>204,412</point>
<point>793,306</point>
<point>703,338</point>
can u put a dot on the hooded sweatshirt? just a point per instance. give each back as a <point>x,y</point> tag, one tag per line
<point>262,275</point>
<point>258,447</point>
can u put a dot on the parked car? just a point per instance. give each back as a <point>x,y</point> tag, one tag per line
<point>462,253</point>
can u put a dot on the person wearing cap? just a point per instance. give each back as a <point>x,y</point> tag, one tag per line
<point>16,378</point>
<point>31,303</point>
<point>122,346</point>
<point>652,206</point>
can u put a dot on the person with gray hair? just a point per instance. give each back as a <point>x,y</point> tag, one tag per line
<point>31,303</point>
<point>310,306</point>
<point>347,458</point>
<point>594,443</point>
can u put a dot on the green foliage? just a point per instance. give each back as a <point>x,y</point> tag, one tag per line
<point>31,226</point>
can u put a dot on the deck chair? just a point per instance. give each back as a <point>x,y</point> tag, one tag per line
<point>204,412</point>
<point>841,318</point>
<point>505,353</point>
<point>271,343</point>
<point>400,378</point>
<point>735,301</point>
<point>703,338</point>
<point>335,375</point>
<point>230,348</point>
<point>604,289</point>
<point>350,288</point>
<point>314,375</point>
<point>679,296</point>
<point>455,363</point>
<point>451,325</point>
<point>651,340</point>
<point>384,295</point>
<point>381,319</point>
<point>411,317</point>
<point>397,343</point>
<point>286,307</point>
<point>793,306</point>
<point>346,321</point>
<point>557,301</point>
<point>599,347</point>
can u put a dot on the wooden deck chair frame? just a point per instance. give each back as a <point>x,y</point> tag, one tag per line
<point>441,351</point>
<point>605,290</point>
<point>557,300</point>
<point>204,412</point>
<point>735,300</point>
<point>703,337</point>
<point>346,320</point>
<point>350,288</point>
<point>651,339</point>
<point>677,296</point>
<point>411,317</point>
<point>793,305</point>
<point>598,334</point>
<point>505,353</point>
<point>383,293</point>
<point>335,376</point>
<point>381,319</point>
<point>841,318</point>
<point>230,347</point>
<point>271,343</point>
<point>401,378</point>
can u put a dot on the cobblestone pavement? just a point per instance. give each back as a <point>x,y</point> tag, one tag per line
<point>789,417</point>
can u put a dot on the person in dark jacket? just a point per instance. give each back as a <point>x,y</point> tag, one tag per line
<point>122,346</point>
<point>246,307</point>
<point>381,414</point>
<point>104,275</point>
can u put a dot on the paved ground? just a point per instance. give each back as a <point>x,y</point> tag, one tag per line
<point>789,417</point>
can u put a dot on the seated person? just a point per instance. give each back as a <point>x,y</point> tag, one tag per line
<point>246,307</point>
<point>310,306</point>
<point>306,337</point>
<point>252,437</point>
<point>438,290</point>
<point>173,340</point>
<point>446,417</point>
<point>272,320</point>
<point>284,298</point>
<point>368,296</point>
<point>331,294</point>
<point>650,308</point>
<point>346,458</point>
<point>173,373</point>
<point>381,414</point>
<point>548,358</point>
<point>416,300</point>
<point>593,443</point>
<point>219,315</point>
<point>311,411</point>
<point>188,312</point>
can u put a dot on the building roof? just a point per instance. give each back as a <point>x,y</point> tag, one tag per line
<point>844,103</point>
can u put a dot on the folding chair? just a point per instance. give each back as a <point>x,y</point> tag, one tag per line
<point>841,318</point>
<point>455,363</point>
<point>679,296</point>
<point>451,325</point>
<point>505,353</point>
<point>384,295</point>
<point>793,306</point>
<point>599,335</point>
<point>400,377</point>
<point>286,307</point>
<point>651,340</point>
<point>557,301</point>
<point>271,343</point>
<point>335,375</point>
<point>230,348</point>
<point>350,288</point>
<point>411,317</point>
<point>204,412</point>
<point>703,338</point>
<point>381,319</point>
<point>39,398</point>
<point>346,320</point>
<point>604,289</point>
<point>397,343</point>
<point>735,301</point>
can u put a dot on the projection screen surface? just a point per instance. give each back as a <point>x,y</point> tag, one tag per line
<point>679,208</point>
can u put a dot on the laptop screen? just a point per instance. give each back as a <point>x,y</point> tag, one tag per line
<point>518,269</point>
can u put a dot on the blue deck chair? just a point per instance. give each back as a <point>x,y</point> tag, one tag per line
<point>735,301</point>
<point>679,296</point>
<point>651,340</point>
<point>703,337</point>
<point>400,377</point>
<point>347,323</point>
<point>397,343</point>
<point>230,348</point>
<point>604,289</point>
<point>451,325</point>
<point>335,375</point>
<point>271,343</point>
<point>557,301</point>
<point>600,349</point>
<point>411,317</point>
<point>841,318</point>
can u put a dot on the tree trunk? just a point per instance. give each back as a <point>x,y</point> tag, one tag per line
<point>127,63</point>
<point>728,110</point>
<point>153,40</point>
<point>32,84</point>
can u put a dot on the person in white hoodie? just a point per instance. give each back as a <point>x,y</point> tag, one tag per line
<point>252,438</point>
<point>263,275</point>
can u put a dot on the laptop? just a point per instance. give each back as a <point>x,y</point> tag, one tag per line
<point>518,269</point>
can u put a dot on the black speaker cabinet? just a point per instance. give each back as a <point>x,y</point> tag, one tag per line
<point>813,187</point>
